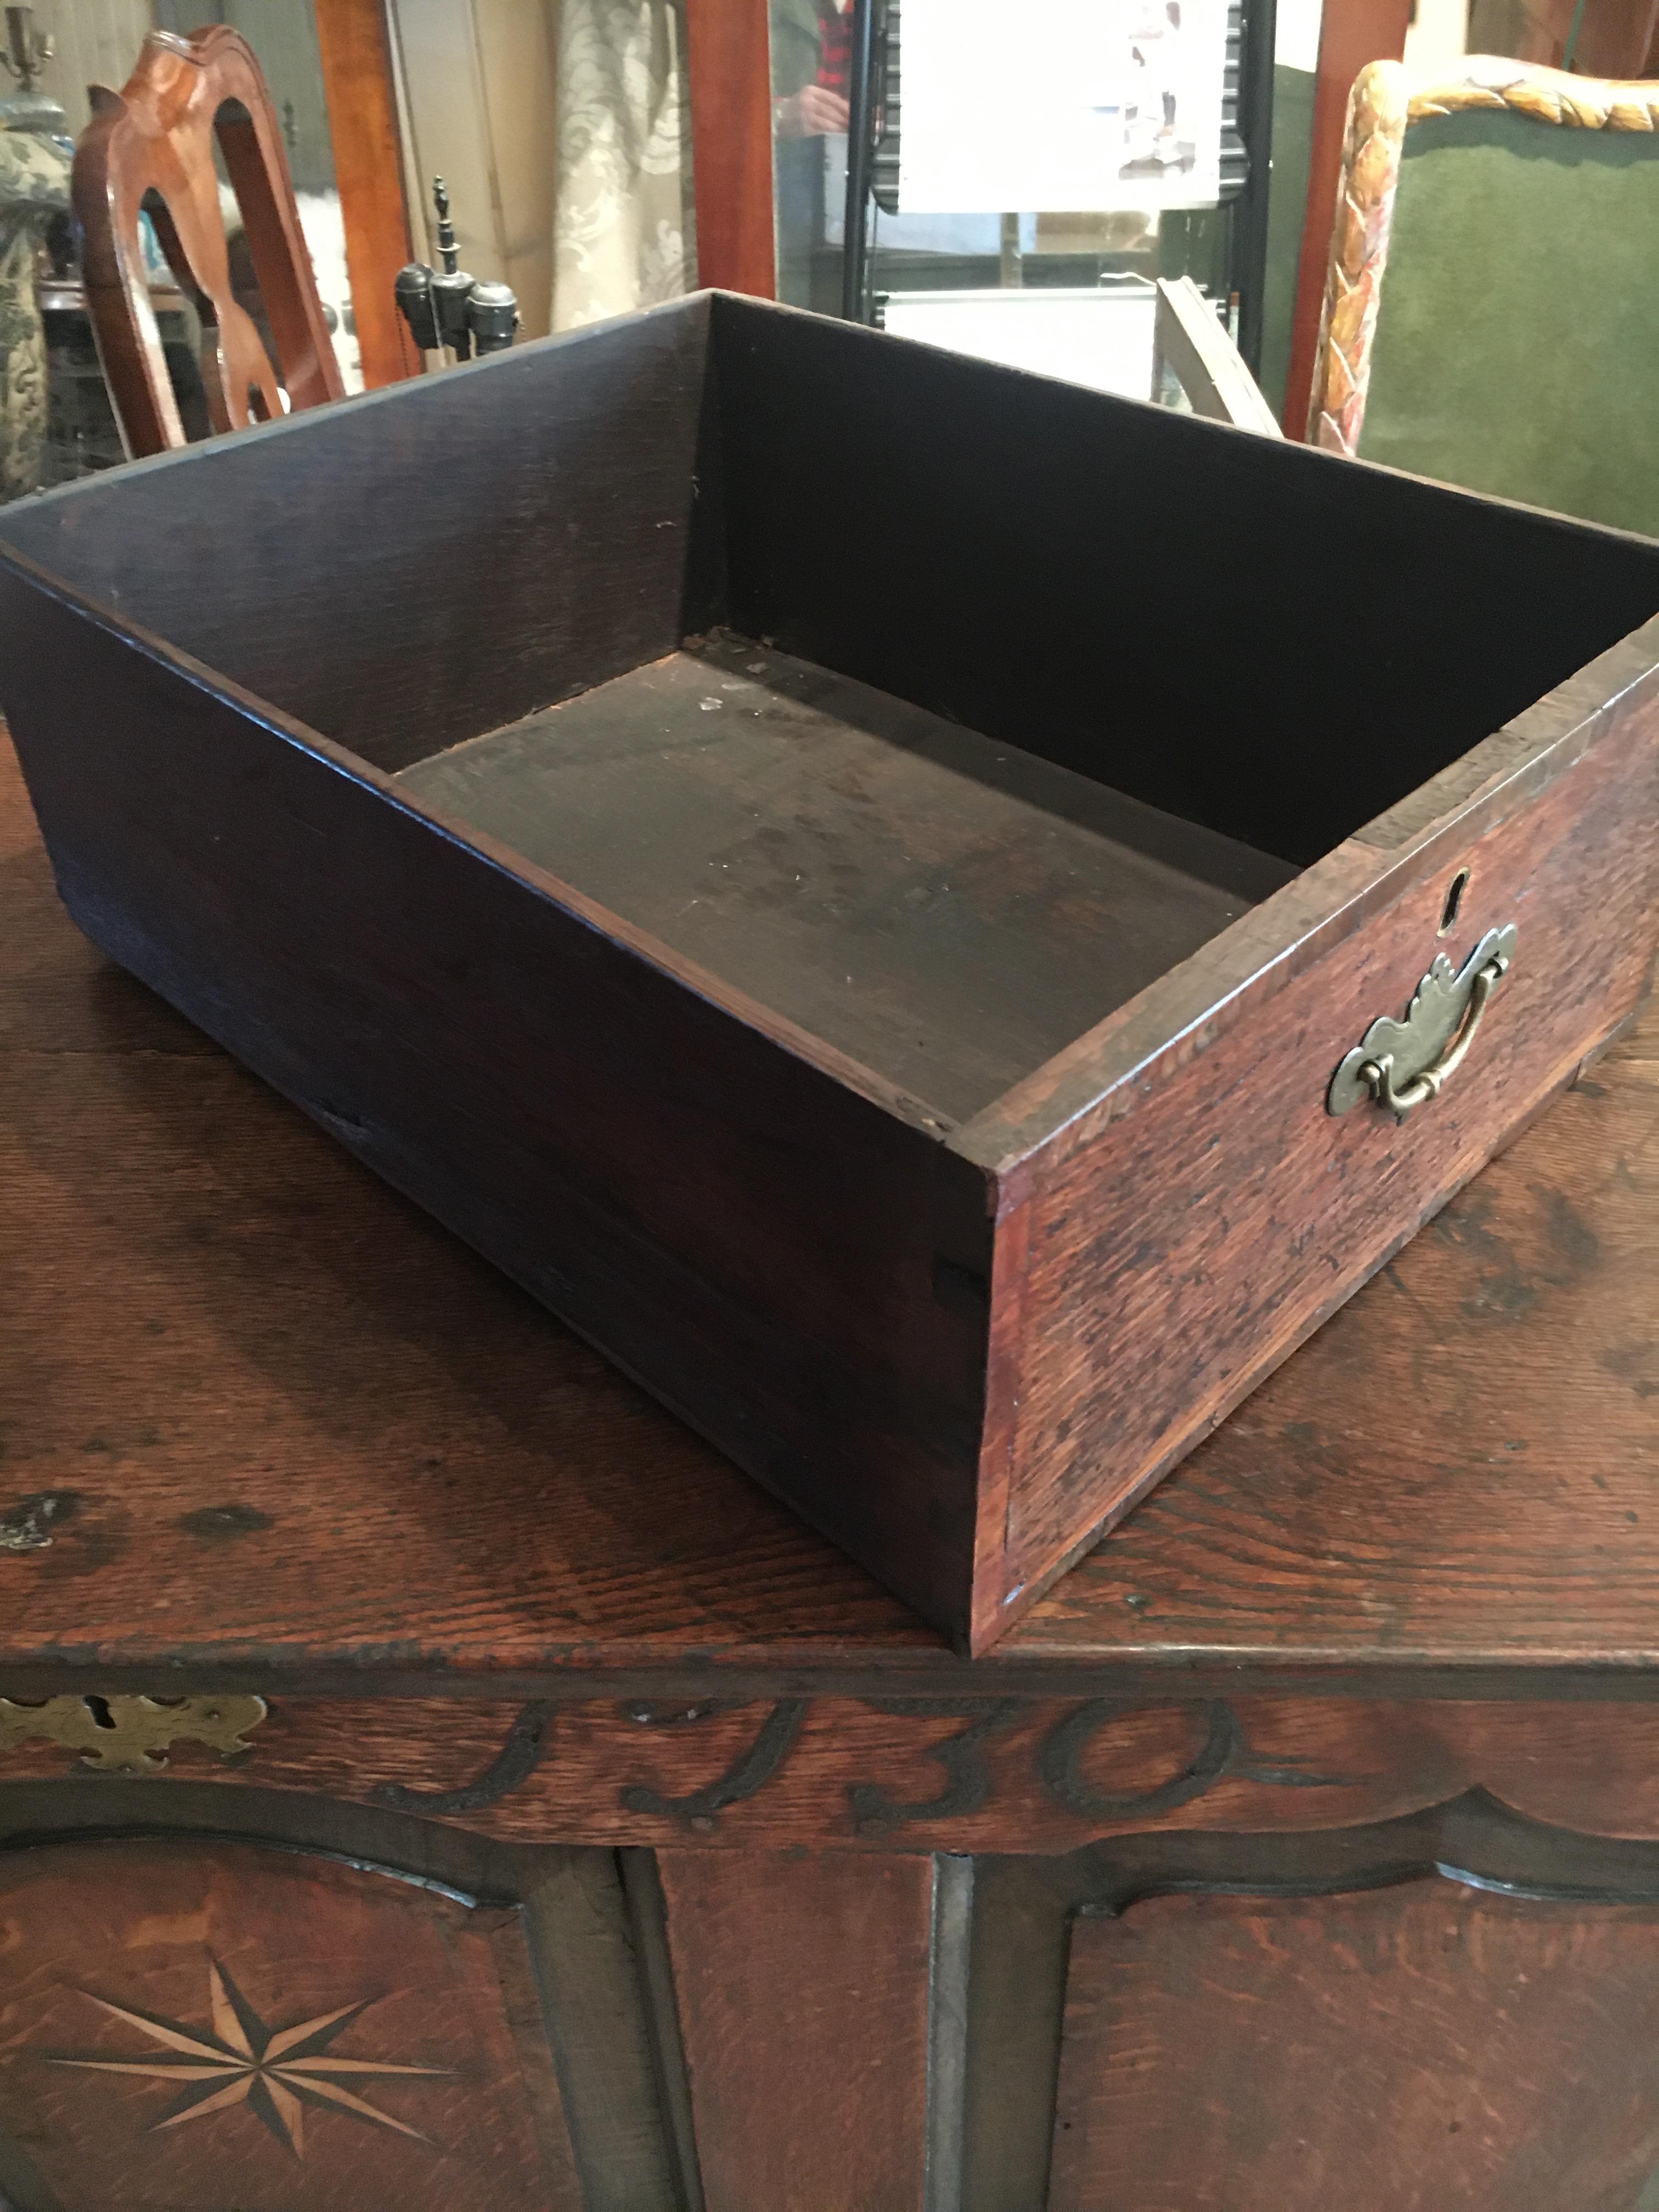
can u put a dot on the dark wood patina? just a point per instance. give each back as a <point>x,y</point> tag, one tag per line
<point>841,869</point>
<point>1301,1843</point>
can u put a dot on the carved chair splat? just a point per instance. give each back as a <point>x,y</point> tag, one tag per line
<point>150,148</point>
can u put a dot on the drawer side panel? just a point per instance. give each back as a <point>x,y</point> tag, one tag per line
<point>794,1269</point>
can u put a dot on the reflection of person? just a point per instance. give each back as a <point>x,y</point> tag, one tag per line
<point>811,55</point>
<point>814,112</point>
<point>1172,14</point>
<point>1157,52</point>
<point>812,45</point>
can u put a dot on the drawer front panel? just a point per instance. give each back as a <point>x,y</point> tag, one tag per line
<point>1176,1257</point>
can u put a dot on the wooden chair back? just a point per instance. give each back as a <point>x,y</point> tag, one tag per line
<point>1492,313</point>
<point>150,147</point>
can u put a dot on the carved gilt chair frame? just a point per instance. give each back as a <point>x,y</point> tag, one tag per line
<point>154,140</point>
<point>1386,101</point>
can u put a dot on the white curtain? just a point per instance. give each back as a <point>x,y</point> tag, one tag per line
<point>624,234</point>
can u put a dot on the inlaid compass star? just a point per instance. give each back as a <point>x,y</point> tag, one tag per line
<point>276,2072</point>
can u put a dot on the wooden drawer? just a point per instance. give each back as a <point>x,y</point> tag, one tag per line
<point>850,871</point>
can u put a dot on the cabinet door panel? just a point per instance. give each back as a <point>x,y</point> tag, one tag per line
<point>1411,2049</point>
<point>802,1984</point>
<point>187,2026</point>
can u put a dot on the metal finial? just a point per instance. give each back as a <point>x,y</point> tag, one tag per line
<point>446,250</point>
<point>446,310</point>
<point>27,50</point>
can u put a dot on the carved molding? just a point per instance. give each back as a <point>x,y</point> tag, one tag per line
<point>1385,100</point>
<point>132,1735</point>
<point>1223,1753</point>
<point>967,1777</point>
<point>699,1809</point>
<point>1473,1839</point>
<point>749,1772</point>
<point>511,1768</point>
<point>1365,191</point>
<point>986,1772</point>
<point>1547,95</point>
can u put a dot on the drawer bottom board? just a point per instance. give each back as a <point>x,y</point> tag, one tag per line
<point>948,910</point>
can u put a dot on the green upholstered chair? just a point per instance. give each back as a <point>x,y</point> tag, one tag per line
<point>1492,315</point>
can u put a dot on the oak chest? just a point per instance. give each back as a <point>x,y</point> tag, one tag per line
<point>943,920</point>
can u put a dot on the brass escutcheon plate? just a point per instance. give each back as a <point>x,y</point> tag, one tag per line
<point>131,1735</point>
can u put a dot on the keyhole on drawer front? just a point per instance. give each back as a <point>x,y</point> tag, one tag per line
<point>1453,900</point>
<point>101,1715</point>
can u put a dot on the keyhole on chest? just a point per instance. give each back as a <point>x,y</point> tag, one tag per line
<point>1453,900</point>
<point>101,1715</point>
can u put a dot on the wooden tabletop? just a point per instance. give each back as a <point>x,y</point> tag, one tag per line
<point>262,1421</point>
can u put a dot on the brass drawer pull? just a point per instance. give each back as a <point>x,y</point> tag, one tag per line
<point>1402,1065</point>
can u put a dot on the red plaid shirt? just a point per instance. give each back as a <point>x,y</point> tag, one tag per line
<point>835,46</point>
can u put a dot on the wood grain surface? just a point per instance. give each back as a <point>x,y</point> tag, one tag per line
<point>1610,38</point>
<point>991,595</point>
<point>1222,1212</point>
<point>728,66</point>
<point>261,1416</point>
<point>1408,2049</point>
<point>804,2000</point>
<point>905,1774</point>
<point>948,912</point>
<point>186,2025</point>
<point>790,1267</point>
<point>355,52</point>
<point>790,1247</point>
<point>768,1237</point>
<point>404,652</point>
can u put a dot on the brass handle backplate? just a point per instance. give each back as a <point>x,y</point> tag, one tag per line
<point>1402,1065</point>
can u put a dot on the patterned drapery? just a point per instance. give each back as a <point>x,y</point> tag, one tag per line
<point>34,176</point>
<point>624,234</point>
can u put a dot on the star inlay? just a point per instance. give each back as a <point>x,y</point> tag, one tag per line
<point>276,2072</point>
